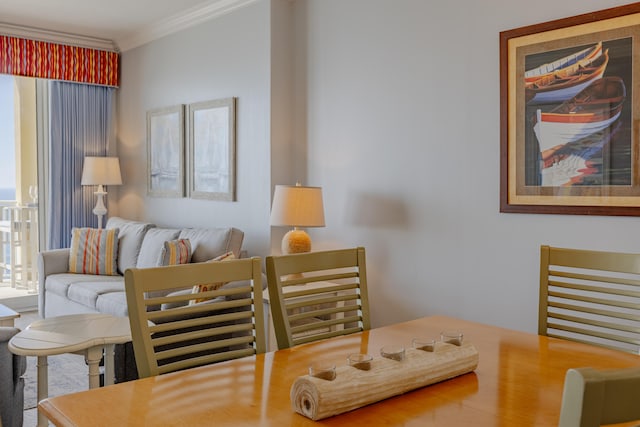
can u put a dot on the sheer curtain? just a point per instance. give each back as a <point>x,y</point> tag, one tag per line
<point>81,123</point>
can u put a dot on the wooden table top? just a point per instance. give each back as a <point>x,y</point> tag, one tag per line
<point>518,382</point>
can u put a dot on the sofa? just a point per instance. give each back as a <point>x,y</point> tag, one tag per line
<point>12,369</point>
<point>139,245</point>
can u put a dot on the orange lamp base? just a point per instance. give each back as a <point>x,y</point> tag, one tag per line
<point>295,242</point>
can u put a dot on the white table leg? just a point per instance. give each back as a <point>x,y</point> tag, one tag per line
<point>43,387</point>
<point>109,364</point>
<point>92,357</point>
<point>12,246</point>
<point>24,246</point>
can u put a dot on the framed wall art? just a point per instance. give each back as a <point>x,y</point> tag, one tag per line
<point>568,108</point>
<point>212,150</point>
<point>165,151</point>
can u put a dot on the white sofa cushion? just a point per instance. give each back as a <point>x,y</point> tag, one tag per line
<point>114,303</point>
<point>129,240</point>
<point>208,243</point>
<point>152,244</point>
<point>59,284</point>
<point>88,293</point>
<point>87,290</point>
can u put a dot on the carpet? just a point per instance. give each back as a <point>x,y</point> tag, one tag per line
<point>68,373</point>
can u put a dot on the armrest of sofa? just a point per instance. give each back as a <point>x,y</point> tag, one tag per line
<point>54,261</point>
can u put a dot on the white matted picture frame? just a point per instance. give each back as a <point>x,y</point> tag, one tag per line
<point>165,152</point>
<point>212,150</point>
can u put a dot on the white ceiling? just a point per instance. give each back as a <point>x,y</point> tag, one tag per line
<point>127,23</point>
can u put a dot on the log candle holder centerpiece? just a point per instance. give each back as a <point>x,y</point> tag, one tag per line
<point>353,388</point>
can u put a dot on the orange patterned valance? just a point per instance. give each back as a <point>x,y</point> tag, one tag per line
<point>32,58</point>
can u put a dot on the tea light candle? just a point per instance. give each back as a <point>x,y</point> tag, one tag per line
<point>423,344</point>
<point>323,371</point>
<point>451,337</point>
<point>360,361</point>
<point>393,352</point>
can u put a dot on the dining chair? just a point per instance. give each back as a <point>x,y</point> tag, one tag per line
<point>592,398</point>
<point>198,327</point>
<point>318,295</point>
<point>591,297</point>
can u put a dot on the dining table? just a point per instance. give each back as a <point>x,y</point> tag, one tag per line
<point>518,381</point>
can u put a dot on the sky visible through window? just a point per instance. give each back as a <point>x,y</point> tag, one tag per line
<point>7,140</point>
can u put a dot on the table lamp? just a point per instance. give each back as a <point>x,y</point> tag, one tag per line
<point>101,171</point>
<point>297,206</point>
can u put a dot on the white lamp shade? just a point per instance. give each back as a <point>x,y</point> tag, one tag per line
<point>101,171</point>
<point>297,206</point>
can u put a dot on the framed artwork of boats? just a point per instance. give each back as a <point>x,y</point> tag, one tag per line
<point>569,102</point>
<point>165,152</point>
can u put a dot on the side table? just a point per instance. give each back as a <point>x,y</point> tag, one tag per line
<point>7,316</point>
<point>86,334</point>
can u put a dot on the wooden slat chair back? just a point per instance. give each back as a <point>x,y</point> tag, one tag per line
<point>184,335</point>
<point>593,398</point>
<point>591,297</point>
<point>318,295</point>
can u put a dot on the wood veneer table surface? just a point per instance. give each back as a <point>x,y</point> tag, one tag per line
<point>518,382</point>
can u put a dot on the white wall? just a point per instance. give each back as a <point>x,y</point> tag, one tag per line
<point>394,111</point>
<point>403,135</point>
<point>226,57</point>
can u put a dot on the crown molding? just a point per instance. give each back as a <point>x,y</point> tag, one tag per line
<point>182,21</point>
<point>40,34</point>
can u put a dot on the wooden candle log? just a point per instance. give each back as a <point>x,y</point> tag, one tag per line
<point>353,388</point>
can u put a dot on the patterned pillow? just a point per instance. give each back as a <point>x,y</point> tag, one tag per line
<point>211,286</point>
<point>94,251</point>
<point>176,252</point>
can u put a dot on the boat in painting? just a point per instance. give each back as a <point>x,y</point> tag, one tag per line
<point>566,83</point>
<point>550,68</point>
<point>593,109</point>
<point>575,162</point>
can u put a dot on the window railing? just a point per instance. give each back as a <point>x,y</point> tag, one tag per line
<point>18,245</point>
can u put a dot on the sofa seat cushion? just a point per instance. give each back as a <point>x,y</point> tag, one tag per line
<point>114,303</point>
<point>59,283</point>
<point>83,288</point>
<point>88,293</point>
<point>208,243</point>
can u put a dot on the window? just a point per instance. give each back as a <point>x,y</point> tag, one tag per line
<point>18,186</point>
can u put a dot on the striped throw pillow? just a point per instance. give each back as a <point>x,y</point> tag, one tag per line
<point>94,251</point>
<point>211,286</point>
<point>176,252</point>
